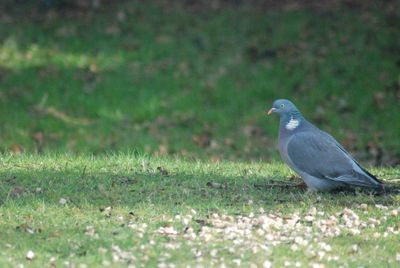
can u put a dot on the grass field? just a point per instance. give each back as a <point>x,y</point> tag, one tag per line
<point>125,210</point>
<point>135,135</point>
<point>196,80</point>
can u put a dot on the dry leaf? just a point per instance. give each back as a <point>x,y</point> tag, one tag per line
<point>163,171</point>
<point>62,116</point>
<point>16,148</point>
<point>216,185</point>
<point>17,191</point>
<point>202,140</point>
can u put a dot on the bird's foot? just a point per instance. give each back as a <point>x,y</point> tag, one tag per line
<point>311,192</point>
<point>302,185</point>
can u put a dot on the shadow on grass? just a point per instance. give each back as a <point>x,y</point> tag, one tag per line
<point>203,191</point>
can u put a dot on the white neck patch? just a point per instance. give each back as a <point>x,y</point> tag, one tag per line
<point>292,124</point>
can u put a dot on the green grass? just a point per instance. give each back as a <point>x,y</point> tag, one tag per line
<point>109,199</point>
<point>138,120</point>
<point>155,77</point>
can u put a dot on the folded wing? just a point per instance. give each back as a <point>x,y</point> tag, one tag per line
<point>319,155</point>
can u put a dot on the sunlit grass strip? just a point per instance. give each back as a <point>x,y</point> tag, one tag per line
<point>133,209</point>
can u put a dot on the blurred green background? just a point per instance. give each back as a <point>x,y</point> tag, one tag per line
<point>194,78</point>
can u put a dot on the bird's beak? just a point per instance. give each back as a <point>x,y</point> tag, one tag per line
<point>271,111</point>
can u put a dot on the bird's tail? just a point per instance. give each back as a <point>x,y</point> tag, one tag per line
<point>390,189</point>
<point>368,182</point>
<point>379,187</point>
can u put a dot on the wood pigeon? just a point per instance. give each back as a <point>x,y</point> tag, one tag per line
<point>316,156</point>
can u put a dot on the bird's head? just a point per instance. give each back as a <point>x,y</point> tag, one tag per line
<point>282,107</point>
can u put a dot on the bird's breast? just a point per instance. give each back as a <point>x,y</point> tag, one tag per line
<point>283,142</point>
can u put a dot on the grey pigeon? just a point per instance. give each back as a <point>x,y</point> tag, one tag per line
<point>316,156</point>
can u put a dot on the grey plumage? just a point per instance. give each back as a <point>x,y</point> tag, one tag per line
<point>315,155</point>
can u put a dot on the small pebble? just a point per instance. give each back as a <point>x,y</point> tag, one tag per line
<point>30,255</point>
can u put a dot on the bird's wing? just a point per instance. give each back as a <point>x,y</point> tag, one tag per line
<point>332,139</point>
<point>321,156</point>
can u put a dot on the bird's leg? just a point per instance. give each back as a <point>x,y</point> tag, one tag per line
<point>310,192</point>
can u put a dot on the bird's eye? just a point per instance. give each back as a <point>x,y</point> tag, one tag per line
<point>282,105</point>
